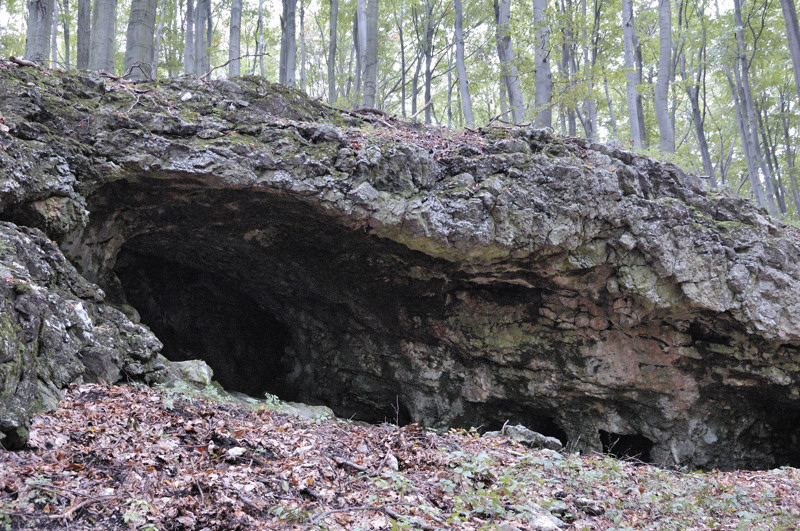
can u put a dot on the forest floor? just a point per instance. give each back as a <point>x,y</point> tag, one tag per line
<point>140,458</point>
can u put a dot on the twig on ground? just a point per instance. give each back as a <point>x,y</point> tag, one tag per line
<point>344,462</point>
<point>69,512</point>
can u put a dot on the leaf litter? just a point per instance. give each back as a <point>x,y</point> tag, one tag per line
<point>141,458</point>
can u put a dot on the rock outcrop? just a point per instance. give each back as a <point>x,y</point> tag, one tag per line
<point>399,273</point>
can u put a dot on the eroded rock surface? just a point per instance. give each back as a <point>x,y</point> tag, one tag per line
<point>55,330</point>
<point>406,274</point>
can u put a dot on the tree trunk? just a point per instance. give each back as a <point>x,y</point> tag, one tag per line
<point>84,33</point>
<point>402,61</point>
<point>371,55</point>
<point>302,47</point>
<point>661,101</point>
<point>54,37</point>
<point>542,75</point>
<point>139,42</point>
<point>461,69</point>
<point>505,52</point>
<point>188,47</point>
<point>332,51</point>
<point>288,57</point>
<point>101,48</point>
<point>793,36</point>
<point>749,109</point>
<point>201,59</point>
<point>235,40</point>
<point>428,52</point>
<point>159,37</point>
<point>610,103</point>
<point>65,23</point>
<point>629,36</point>
<point>790,151</point>
<point>40,16</point>
<point>360,44</point>
<point>260,39</point>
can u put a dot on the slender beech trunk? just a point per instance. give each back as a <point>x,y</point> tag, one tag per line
<point>371,55</point>
<point>84,33</point>
<point>40,16</point>
<point>54,37</point>
<point>201,43</point>
<point>743,64</point>
<point>235,40</point>
<point>162,10</point>
<point>399,23</point>
<point>334,18</point>
<point>461,69</point>
<point>65,24</point>
<point>260,40</point>
<point>360,44</point>
<point>302,81</point>
<point>661,101</point>
<point>288,53</point>
<point>505,52</point>
<point>610,105</point>
<point>543,77</point>
<point>188,41</point>
<point>139,42</point>
<point>793,36</point>
<point>789,146</point>
<point>101,48</point>
<point>629,36</point>
<point>428,52</point>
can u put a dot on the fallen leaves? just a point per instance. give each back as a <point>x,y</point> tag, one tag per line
<point>139,458</point>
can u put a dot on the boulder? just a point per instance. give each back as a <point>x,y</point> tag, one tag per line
<point>401,273</point>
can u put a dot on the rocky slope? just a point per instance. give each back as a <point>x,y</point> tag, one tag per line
<point>392,271</point>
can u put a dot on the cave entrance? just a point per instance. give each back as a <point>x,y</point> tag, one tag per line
<point>624,446</point>
<point>201,315</point>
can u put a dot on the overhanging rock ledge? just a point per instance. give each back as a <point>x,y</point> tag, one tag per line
<point>394,272</point>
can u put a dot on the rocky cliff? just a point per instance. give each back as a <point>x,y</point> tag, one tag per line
<point>394,272</point>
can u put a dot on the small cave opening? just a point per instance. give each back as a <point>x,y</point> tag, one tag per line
<point>493,415</point>
<point>200,315</point>
<point>626,446</point>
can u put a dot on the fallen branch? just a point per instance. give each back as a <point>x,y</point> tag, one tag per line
<point>22,62</point>
<point>229,61</point>
<point>414,116</point>
<point>69,512</point>
<point>344,462</point>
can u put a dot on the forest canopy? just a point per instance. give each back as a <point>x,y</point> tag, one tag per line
<point>713,86</point>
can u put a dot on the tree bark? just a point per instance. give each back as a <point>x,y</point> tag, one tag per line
<point>288,54</point>
<point>360,44</point>
<point>202,63</point>
<point>101,48</point>
<point>302,47</point>
<point>399,23</point>
<point>461,69</point>
<point>371,55</point>
<point>65,23</point>
<point>749,110</point>
<point>661,101</point>
<point>793,36</point>
<point>505,52</point>
<point>334,17</point>
<point>629,36</point>
<point>40,16</point>
<point>139,42</point>
<point>54,37</point>
<point>260,40</point>
<point>235,40</point>
<point>188,46</point>
<point>159,37</point>
<point>84,33</point>
<point>543,77</point>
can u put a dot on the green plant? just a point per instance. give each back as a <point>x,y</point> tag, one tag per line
<point>292,515</point>
<point>136,514</point>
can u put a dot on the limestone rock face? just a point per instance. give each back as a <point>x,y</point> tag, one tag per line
<point>399,273</point>
<point>55,330</point>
